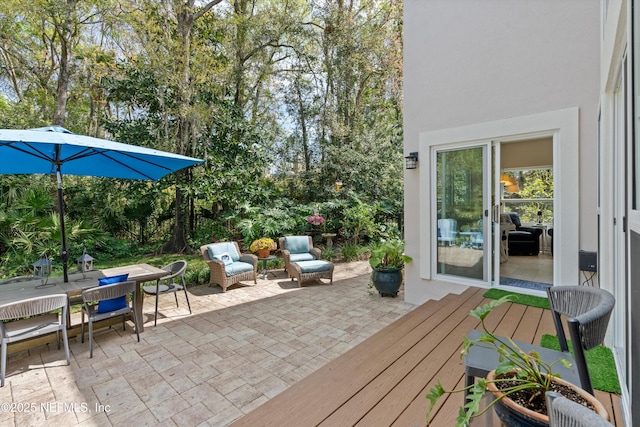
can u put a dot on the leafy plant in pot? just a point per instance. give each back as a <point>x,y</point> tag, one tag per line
<point>387,260</point>
<point>518,383</point>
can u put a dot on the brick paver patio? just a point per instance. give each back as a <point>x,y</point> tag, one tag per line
<point>237,350</point>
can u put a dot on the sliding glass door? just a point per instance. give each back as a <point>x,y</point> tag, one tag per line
<point>462,202</point>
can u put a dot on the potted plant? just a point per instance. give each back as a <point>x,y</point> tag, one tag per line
<point>387,260</point>
<point>518,383</point>
<point>263,247</point>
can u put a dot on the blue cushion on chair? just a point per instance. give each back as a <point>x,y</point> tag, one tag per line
<point>297,244</point>
<point>237,268</point>
<point>115,303</point>
<point>308,256</point>
<point>221,248</point>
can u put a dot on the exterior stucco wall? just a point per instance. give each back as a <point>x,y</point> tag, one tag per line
<point>474,61</point>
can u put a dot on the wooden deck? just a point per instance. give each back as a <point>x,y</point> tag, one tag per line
<point>383,380</point>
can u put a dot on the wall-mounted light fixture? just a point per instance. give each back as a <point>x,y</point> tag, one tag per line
<point>337,185</point>
<point>411,161</point>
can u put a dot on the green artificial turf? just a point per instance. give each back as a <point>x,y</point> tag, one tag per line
<point>531,300</point>
<point>602,367</point>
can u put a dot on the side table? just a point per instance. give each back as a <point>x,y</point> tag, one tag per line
<point>265,270</point>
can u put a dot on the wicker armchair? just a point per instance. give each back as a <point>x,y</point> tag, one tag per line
<point>302,261</point>
<point>227,265</point>
<point>288,257</point>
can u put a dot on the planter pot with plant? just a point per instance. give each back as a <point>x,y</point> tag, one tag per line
<point>518,384</point>
<point>388,260</point>
<point>263,247</point>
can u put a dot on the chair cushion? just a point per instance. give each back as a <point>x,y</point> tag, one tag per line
<point>521,236</point>
<point>224,257</point>
<point>114,304</point>
<point>314,266</point>
<point>307,256</point>
<point>237,268</point>
<point>297,244</point>
<point>222,248</point>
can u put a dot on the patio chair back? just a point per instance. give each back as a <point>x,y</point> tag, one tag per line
<point>567,413</point>
<point>168,285</point>
<point>91,297</point>
<point>588,311</point>
<point>30,318</point>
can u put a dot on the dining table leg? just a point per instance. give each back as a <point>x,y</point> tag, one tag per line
<point>139,301</point>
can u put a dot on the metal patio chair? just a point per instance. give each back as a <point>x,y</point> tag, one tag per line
<point>30,318</point>
<point>177,269</point>
<point>105,293</point>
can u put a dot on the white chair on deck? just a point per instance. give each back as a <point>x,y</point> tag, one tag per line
<point>447,231</point>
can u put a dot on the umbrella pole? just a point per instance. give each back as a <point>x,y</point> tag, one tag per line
<point>63,253</point>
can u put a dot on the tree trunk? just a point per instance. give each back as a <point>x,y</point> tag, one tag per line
<point>178,241</point>
<point>186,17</point>
<point>65,32</point>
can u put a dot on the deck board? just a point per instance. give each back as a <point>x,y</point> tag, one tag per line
<point>384,379</point>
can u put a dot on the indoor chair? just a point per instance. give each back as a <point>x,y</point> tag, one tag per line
<point>523,240</point>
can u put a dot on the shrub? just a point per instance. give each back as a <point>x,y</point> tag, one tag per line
<point>329,254</point>
<point>350,252</point>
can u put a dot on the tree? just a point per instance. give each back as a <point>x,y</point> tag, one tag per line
<point>43,54</point>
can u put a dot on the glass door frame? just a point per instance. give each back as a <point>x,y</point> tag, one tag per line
<point>489,244</point>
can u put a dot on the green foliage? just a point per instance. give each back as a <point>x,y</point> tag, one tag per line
<point>329,254</point>
<point>29,225</point>
<point>275,134</point>
<point>350,252</point>
<point>359,221</point>
<point>534,184</point>
<point>388,254</point>
<point>531,372</point>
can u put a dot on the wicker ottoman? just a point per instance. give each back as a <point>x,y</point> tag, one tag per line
<point>304,271</point>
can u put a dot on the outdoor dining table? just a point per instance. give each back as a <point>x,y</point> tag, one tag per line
<point>140,273</point>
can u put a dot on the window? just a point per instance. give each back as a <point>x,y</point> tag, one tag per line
<point>529,193</point>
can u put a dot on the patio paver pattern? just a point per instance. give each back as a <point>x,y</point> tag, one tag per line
<point>236,351</point>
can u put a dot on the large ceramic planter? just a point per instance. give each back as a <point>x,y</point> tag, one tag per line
<point>512,414</point>
<point>387,281</point>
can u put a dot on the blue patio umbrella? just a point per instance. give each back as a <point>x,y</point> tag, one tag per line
<point>55,150</point>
